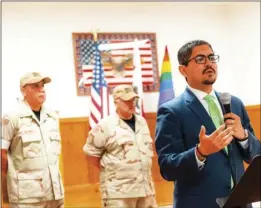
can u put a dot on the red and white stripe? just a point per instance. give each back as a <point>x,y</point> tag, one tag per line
<point>99,105</point>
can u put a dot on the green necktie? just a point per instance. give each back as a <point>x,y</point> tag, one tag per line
<point>216,118</point>
<point>213,111</point>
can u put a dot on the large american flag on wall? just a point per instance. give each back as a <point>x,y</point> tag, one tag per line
<point>99,92</point>
<point>84,54</point>
<point>120,54</point>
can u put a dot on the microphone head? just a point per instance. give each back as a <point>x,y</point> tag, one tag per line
<point>225,98</point>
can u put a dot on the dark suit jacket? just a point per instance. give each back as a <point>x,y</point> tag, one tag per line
<point>177,130</point>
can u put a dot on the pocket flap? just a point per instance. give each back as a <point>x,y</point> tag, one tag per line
<point>30,184</point>
<point>126,167</point>
<point>29,175</point>
<point>54,135</point>
<point>31,138</point>
<point>128,170</point>
<point>55,138</point>
<point>147,139</point>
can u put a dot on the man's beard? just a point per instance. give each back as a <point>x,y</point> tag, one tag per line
<point>209,82</point>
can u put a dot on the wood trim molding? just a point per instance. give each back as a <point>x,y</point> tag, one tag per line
<point>253,107</point>
<point>148,115</point>
<point>74,120</point>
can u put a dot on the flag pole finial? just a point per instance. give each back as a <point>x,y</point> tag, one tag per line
<point>95,34</point>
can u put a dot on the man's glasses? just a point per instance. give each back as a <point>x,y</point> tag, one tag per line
<point>202,59</point>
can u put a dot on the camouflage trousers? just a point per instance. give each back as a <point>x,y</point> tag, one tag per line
<point>140,202</point>
<point>45,204</point>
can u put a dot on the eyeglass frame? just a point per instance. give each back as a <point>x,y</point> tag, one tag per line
<point>201,55</point>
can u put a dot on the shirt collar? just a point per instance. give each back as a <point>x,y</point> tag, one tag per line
<point>27,111</point>
<point>200,94</point>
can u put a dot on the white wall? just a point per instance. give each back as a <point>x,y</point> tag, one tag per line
<point>38,37</point>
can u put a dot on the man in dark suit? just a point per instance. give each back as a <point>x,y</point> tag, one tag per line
<point>196,149</point>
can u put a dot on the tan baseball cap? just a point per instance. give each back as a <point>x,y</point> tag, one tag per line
<point>124,92</point>
<point>33,77</point>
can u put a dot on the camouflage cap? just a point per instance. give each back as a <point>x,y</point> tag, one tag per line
<point>124,92</point>
<point>33,77</point>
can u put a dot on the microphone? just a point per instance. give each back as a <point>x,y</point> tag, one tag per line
<point>225,99</point>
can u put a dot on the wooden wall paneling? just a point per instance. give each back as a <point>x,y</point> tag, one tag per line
<point>75,166</point>
<point>255,116</point>
<point>83,196</point>
<point>151,120</point>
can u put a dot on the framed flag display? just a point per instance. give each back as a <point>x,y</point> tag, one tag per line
<point>117,62</point>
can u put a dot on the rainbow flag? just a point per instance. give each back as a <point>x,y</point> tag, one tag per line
<point>166,85</point>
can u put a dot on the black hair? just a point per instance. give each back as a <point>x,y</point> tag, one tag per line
<point>185,51</point>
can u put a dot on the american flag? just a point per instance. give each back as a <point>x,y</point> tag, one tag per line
<point>99,91</point>
<point>87,55</point>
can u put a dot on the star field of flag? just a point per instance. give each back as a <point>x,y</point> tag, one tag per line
<point>98,73</point>
<point>87,50</point>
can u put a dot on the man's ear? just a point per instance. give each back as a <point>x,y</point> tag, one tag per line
<point>23,91</point>
<point>182,70</point>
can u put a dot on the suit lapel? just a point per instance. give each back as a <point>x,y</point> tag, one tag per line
<point>196,107</point>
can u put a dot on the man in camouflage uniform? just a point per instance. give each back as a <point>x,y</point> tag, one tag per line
<point>31,142</point>
<point>121,147</point>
